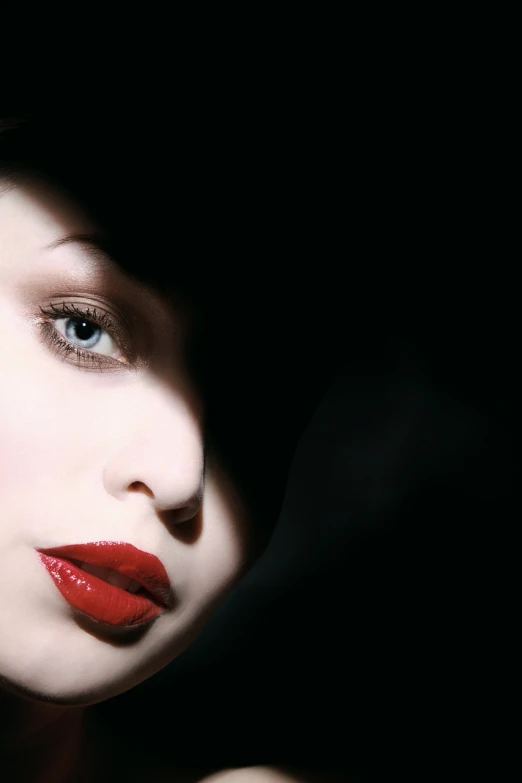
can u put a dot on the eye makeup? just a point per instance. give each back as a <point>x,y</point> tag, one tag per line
<point>91,316</point>
<point>141,329</point>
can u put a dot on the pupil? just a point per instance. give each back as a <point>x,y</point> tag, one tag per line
<point>84,330</point>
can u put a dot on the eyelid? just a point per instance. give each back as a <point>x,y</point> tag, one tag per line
<point>95,313</point>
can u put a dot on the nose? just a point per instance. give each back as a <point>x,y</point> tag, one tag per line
<point>160,452</point>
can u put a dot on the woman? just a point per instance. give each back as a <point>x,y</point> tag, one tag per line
<point>157,374</point>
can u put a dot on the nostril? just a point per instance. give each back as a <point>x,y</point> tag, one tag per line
<point>139,486</point>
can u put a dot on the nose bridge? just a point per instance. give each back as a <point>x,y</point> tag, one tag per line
<point>161,449</point>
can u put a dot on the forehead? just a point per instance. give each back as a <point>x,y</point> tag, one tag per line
<point>34,217</point>
<point>43,231</point>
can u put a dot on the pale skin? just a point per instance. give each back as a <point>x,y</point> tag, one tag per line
<point>268,774</point>
<point>92,453</point>
<point>264,775</point>
<point>105,445</point>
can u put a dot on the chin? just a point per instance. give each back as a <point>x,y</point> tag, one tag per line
<point>69,681</point>
<point>75,661</point>
<point>67,687</point>
<point>57,689</point>
<point>98,669</point>
<point>45,693</point>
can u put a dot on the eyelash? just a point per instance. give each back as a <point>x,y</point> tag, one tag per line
<point>73,353</point>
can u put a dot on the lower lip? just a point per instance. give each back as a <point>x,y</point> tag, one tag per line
<point>99,600</point>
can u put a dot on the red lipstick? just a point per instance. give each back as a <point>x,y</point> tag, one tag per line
<point>110,581</point>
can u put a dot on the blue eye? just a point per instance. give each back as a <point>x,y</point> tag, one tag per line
<point>83,332</point>
<point>84,336</point>
<point>88,335</point>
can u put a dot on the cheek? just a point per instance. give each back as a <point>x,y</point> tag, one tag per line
<point>31,457</point>
<point>26,413</point>
<point>52,416</point>
<point>27,404</point>
<point>225,548</point>
<point>46,434</point>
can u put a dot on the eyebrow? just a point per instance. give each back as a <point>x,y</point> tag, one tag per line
<point>93,240</point>
<point>95,246</point>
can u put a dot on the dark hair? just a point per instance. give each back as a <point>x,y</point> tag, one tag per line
<point>219,221</point>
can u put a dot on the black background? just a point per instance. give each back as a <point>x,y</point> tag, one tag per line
<point>377,636</point>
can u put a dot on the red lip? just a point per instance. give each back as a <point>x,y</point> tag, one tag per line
<point>100,600</point>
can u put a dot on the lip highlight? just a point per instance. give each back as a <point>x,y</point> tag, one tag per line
<point>97,598</point>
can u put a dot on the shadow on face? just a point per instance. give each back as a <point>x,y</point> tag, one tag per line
<point>102,439</point>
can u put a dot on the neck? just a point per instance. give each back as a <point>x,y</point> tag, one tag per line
<point>38,741</point>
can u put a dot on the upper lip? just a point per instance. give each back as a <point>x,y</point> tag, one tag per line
<point>125,558</point>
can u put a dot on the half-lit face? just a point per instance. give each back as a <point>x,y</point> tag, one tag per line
<point>101,443</point>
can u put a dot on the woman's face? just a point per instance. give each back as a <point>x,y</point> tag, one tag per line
<point>100,444</point>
